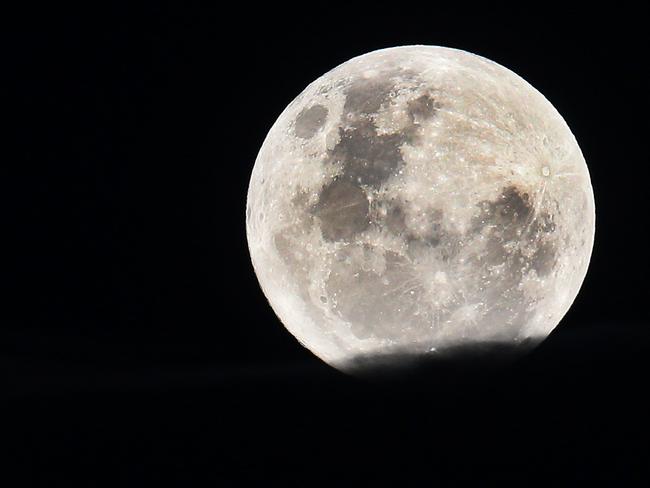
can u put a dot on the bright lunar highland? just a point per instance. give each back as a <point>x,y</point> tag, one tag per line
<point>417,199</point>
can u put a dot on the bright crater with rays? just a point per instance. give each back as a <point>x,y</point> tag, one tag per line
<point>415,199</point>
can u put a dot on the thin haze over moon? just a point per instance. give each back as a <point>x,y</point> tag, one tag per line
<point>416,199</point>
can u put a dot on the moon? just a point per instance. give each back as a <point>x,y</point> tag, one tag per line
<point>416,200</point>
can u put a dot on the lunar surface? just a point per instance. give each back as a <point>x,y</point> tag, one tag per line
<point>417,199</point>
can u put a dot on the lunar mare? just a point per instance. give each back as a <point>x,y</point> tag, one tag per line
<point>415,199</point>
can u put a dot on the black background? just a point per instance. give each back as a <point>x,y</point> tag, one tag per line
<point>136,344</point>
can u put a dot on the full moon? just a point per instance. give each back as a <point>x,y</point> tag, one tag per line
<point>417,200</point>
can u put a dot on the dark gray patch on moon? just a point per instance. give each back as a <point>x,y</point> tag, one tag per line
<point>368,158</point>
<point>342,209</point>
<point>539,235</point>
<point>394,220</point>
<point>544,259</point>
<point>507,216</point>
<point>309,121</point>
<point>366,95</point>
<point>512,211</point>
<point>422,108</point>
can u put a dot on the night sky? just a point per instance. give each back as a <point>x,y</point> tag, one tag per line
<point>136,346</point>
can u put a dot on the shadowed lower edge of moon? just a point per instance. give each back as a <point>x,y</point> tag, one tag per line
<point>451,362</point>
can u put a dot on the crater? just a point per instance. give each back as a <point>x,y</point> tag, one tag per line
<point>309,121</point>
<point>343,210</point>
